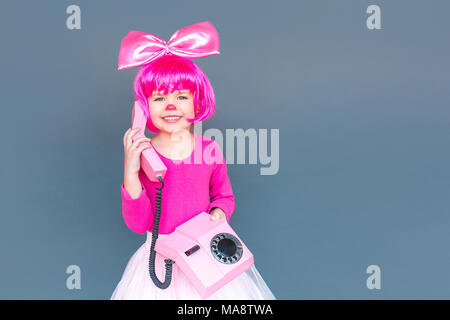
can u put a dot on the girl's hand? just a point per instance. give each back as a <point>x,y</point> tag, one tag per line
<point>217,213</point>
<point>133,151</point>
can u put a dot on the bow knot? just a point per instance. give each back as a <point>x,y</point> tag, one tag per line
<point>195,41</point>
<point>166,49</point>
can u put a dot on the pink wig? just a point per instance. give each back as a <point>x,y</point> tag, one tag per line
<point>172,73</point>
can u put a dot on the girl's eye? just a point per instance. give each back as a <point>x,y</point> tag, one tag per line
<point>183,97</point>
<point>157,99</point>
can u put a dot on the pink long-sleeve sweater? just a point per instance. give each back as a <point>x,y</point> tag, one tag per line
<point>195,184</point>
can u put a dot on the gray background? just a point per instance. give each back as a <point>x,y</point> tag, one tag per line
<point>364,142</point>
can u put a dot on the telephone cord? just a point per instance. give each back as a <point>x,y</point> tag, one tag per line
<point>155,233</point>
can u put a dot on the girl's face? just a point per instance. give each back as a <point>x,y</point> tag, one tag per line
<point>169,112</point>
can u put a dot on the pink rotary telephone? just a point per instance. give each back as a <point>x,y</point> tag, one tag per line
<point>209,253</point>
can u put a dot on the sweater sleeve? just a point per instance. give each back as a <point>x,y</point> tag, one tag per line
<point>137,213</point>
<point>221,193</point>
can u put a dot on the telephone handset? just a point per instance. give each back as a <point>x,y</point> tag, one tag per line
<point>150,161</point>
<point>155,170</point>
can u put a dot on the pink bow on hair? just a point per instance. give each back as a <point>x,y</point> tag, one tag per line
<point>195,41</point>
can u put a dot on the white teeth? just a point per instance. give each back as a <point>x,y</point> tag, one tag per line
<point>171,118</point>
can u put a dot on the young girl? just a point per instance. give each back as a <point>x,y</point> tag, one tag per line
<point>174,93</point>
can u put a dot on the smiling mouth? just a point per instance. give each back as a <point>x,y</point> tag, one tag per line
<point>171,119</point>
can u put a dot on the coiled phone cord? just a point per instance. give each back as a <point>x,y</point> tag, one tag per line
<point>155,233</point>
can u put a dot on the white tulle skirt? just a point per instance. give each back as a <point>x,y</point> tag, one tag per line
<point>137,285</point>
